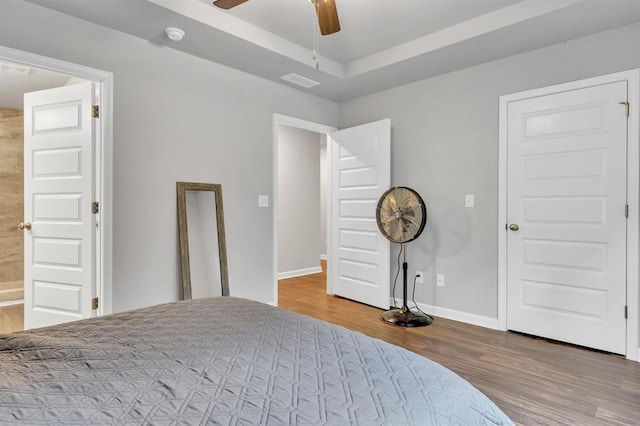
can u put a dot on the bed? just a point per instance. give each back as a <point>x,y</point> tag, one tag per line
<point>225,361</point>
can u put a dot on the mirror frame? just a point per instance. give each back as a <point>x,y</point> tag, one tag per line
<point>182,188</point>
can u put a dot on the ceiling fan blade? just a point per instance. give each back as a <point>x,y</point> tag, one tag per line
<point>227,4</point>
<point>327,17</point>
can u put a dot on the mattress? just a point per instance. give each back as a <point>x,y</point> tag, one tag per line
<point>225,361</point>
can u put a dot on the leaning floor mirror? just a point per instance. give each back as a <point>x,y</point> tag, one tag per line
<point>203,252</point>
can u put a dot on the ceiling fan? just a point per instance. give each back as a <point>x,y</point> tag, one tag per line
<point>325,9</point>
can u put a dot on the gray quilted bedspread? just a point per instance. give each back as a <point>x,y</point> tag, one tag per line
<point>225,361</point>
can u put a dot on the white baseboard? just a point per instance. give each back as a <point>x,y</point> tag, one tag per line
<point>299,272</point>
<point>11,302</point>
<point>454,315</point>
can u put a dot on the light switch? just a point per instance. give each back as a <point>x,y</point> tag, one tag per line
<point>468,200</point>
<point>263,201</point>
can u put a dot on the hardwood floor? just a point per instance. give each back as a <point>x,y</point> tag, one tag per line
<point>534,381</point>
<point>11,318</point>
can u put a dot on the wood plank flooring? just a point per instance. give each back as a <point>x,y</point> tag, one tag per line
<point>11,318</point>
<point>534,381</point>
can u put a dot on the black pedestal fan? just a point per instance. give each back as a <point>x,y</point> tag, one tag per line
<point>401,216</point>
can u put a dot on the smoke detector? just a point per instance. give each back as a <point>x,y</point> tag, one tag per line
<point>174,34</point>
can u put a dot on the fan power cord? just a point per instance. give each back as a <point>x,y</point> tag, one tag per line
<point>413,297</point>
<point>395,280</point>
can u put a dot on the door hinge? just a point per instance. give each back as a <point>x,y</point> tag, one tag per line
<point>626,211</point>
<point>95,111</point>
<point>626,312</point>
<point>95,207</point>
<point>626,107</point>
<point>94,303</point>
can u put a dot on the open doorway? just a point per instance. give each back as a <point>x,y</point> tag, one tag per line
<point>20,73</point>
<point>302,215</point>
<point>358,172</point>
<point>16,80</point>
<point>300,201</point>
<point>301,235</point>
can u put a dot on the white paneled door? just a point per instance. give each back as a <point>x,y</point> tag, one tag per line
<point>360,174</point>
<point>566,199</point>
<point>58,222</point>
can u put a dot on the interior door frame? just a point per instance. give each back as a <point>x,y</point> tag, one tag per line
<point>103,161</point>
<point>633,194</point>
<point>285,120</point>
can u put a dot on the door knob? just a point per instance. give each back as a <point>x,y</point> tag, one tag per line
<point>26,226</point>
<point>514,227</point>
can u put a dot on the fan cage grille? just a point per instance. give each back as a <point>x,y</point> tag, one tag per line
<point>401,214</point>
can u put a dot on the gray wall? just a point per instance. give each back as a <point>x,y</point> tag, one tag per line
<point>176,118</point>
<point>299,227</point>
<point>445,145</point>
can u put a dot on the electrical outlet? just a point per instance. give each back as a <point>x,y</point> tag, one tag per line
<point>419,277</point>
<point>440,280</point>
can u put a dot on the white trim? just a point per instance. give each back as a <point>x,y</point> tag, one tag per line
<point>633,221</point>
<point>502,214</point>
<point>104,80</point>
<point>284,120</point>
<point>11,302</point>
<point>323,257</point>
<point>328,185</point>
<point>299,272</point>
<point>454,315</point>
<point>633,195</point>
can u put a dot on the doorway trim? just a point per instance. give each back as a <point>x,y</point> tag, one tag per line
<point>285,120</point>
<point>104,159</point>
<point>633,194</point>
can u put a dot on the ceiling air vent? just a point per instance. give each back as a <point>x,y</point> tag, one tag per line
<point>299,80</point>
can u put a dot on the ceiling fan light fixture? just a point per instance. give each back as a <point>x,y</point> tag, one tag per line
<point>174,34</point>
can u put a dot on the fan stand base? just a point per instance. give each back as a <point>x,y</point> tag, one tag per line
<point>403,317</point>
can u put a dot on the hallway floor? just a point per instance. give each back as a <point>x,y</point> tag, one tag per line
<point>11,318</point>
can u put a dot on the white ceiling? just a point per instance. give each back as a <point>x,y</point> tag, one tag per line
<point>366,24</point>
<point>383,43</point>
<point>16,80</point>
